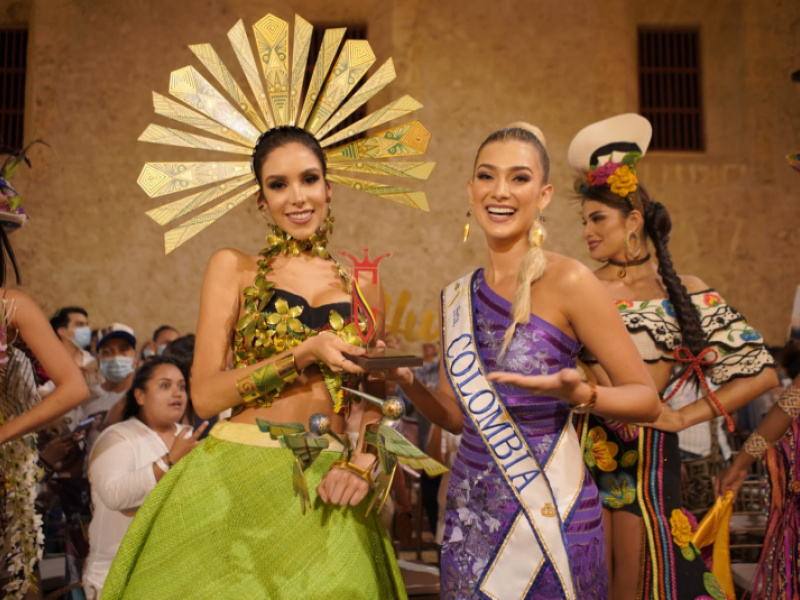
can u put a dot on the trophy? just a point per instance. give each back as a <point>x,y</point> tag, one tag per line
<point>376,359</point>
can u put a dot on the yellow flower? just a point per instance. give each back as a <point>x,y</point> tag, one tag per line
<point>599,451</point>
<point>681,528</point>
<point>623,181</point>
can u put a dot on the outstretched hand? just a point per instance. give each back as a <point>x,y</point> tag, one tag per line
<point>565,385</point>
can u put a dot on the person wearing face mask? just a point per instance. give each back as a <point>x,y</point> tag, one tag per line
<point>71,324</point>
<point>130,457</point>
<point>116,357</point>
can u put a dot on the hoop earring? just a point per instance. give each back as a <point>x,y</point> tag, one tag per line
<point>538,230</point>
<point>631,238</point>
<point>465,236</point>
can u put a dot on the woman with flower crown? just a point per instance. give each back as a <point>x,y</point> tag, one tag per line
<point>681,328</point>
<point>521,520</point>
<point>22,411</point>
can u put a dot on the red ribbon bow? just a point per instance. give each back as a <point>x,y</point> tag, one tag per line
<point>694,365</point>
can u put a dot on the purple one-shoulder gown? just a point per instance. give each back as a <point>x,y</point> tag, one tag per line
<point>480,505</point>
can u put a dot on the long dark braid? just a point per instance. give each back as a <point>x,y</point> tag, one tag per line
<point>658,225</point>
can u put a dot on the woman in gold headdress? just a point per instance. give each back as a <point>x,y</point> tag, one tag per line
<point>273,503</point>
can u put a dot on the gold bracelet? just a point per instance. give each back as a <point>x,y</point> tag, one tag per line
<point>585,407</point>
<point>356,470</point>
<point>286,368</point>
<point>261,382</point>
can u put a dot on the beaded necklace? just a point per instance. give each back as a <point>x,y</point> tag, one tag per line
<point>260,335</point>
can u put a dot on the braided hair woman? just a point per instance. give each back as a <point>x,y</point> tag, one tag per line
<point>679,325</point>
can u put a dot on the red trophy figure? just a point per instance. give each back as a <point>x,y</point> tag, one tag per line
<point>376,358</point>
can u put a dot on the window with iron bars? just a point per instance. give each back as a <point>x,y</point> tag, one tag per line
<point>670,83</point>
<point>13,61</point>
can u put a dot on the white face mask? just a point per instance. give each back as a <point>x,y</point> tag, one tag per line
<point>82,336</point>
<point>117,368</point>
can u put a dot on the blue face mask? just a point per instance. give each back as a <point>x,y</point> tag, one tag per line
<point>82,336</point>
<point>117,368</point>
<point>148,353</point>
<point>160,349</point>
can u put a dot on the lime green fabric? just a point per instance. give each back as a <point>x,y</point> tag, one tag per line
<point>224,523</point>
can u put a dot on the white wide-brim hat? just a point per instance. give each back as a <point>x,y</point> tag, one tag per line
<point>611,139</point>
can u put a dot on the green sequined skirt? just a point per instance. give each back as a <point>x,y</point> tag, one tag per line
<point>224,523</point>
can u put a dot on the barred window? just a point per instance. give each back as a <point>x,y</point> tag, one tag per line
<point>670,94</point>
<point>13,60</point>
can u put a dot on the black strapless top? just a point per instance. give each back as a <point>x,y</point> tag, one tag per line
<point>313,317</point>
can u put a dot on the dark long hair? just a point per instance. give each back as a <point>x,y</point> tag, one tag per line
<point>657,226</point>
<point>144,374</point>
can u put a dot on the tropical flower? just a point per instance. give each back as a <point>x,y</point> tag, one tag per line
<point>626,431</point>
<point>711,299</point>
<point>668,308</point>
<point>600,452</point>
<point>749,335</point>
<point>681,528</point>
<point>623,181</point>
<point>617,490</point>
<point>623,304</point>
<point>601,174</point>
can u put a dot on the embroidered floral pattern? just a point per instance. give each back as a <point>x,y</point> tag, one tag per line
<point>713,587</point>
<point>617,489</point>
<point>653,325</point>
<point>599,451</point>
<point>681,528</point>
<point>471,505</point>
<point>626,431</point>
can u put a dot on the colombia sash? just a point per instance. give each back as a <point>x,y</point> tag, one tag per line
<point>536,536</point>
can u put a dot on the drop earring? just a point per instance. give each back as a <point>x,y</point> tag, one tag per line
<point>538,230</point>
<point>466,225</point>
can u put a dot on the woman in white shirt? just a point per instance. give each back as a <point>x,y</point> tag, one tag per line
<point>130,457</point>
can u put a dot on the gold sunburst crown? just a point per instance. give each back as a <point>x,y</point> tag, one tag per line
<point>236,123</point>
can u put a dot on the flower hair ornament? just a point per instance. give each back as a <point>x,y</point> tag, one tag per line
<point>606,153</point>
<point>275,77</point>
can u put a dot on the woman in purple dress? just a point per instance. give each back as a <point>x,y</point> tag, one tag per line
<point>523,517</point>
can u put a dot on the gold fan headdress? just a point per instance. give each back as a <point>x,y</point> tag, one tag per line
<point>236,123</point>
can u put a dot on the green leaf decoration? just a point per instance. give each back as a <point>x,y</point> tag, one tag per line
<point>713,587</point>
<point>688,553</point>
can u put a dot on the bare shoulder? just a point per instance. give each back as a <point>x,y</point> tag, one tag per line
<point>693,284</point>
<point>567,273</point>
<point>230,258</point>
<point>229,264</point>
<point>18,297</point>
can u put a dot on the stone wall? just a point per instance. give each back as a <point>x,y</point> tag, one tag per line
<point>475,66</point>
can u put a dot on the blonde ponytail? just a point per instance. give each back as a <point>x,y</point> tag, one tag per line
<point>530,271</point>
<point>534,261</point>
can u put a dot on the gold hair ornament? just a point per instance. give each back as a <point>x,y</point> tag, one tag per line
<point>236,123</point>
